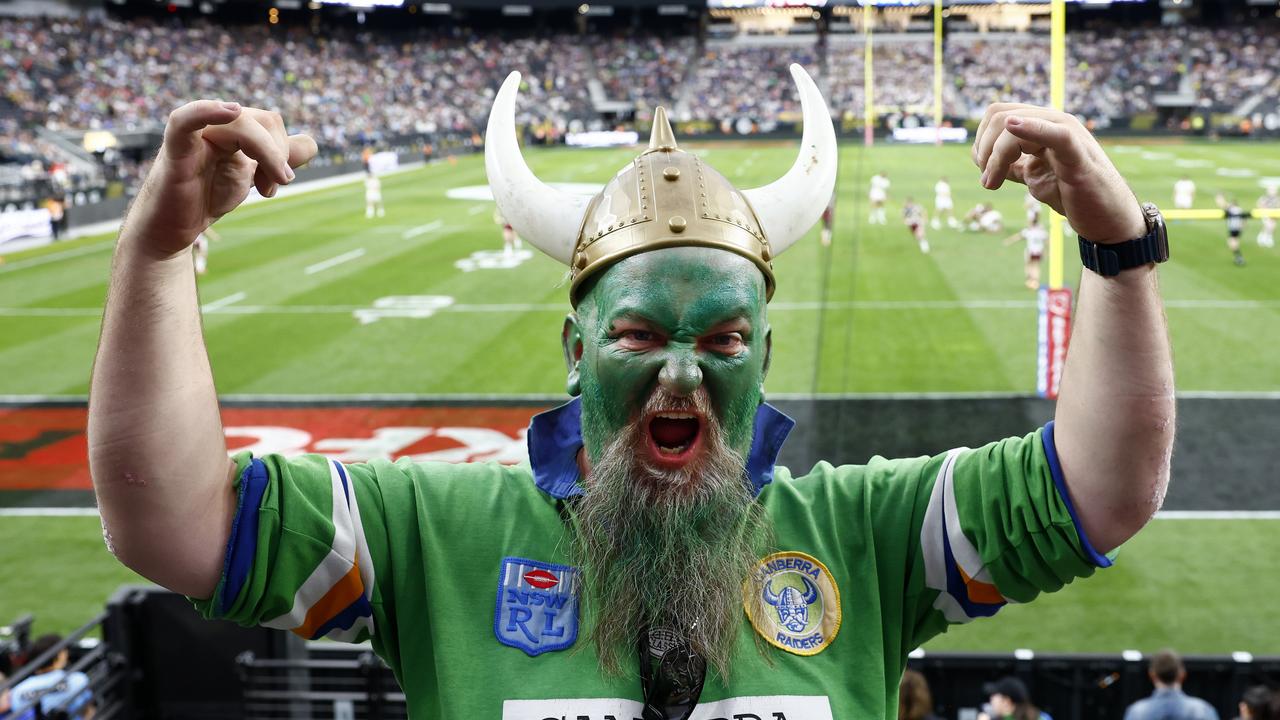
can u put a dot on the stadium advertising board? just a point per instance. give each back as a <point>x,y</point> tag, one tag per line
<point>1054,335</point>
<point>44,448</point>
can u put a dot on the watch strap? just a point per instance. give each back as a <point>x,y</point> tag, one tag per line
<point>1110,259</point>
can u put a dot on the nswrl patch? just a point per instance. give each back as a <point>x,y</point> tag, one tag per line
<point>537,605</point>
<point>793,603</point>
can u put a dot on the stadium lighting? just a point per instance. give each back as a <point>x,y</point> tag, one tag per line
<point>583,9</point>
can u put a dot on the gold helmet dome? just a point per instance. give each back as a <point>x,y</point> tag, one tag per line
<point>664,198</point>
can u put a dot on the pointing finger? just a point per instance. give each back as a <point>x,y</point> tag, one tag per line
<point>182,132</point>
<point>1006,151</point>
<point>250,136</point>
<point>1055,136</point>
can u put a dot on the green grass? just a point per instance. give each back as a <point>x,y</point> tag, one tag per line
<point>1170,587</point>
<point>895,321</point>
<point>956,320</point>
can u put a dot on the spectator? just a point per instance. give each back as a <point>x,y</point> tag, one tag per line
<point>52,687</point>
<point>915,702</point>
<point>6,706</point>
<point>1010,700</point>
<point>1259,703</point>
<point>1168,702</point>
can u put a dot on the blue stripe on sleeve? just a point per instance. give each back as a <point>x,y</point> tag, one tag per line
<point>359,608</point>
<point>243,543</point>
<point>342,473</point>
<point>1055,469</point>
<point>956,587</point>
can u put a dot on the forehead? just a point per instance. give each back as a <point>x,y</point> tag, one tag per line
<point>680,286</point>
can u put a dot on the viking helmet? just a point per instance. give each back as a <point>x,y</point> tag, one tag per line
<point>664,198</point>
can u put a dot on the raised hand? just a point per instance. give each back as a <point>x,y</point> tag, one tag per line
<point>1062,164</point>
<point>213,152</point>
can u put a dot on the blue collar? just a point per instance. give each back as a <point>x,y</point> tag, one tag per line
<point>555,436</point>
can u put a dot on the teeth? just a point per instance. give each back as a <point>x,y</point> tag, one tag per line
<point>672,450</point>
<point>677,416</point>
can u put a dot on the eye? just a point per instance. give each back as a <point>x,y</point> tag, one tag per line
<point>725,343</point>
<point>637,339</point>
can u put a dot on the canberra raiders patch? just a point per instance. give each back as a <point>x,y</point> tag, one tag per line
<point>793,602</point>
<point>537,605</point>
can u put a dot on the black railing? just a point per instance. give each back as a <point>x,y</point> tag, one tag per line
<point>106,673</point>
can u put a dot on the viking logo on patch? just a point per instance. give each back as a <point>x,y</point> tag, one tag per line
<point>537,605</point>
<point>793,602</point>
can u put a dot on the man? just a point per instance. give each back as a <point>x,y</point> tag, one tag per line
<point>1032,207</point>
<point>200,249</point>
<point>984,217</point>
<point>650,557</point>
<point>1270,200</point>
<point>510,241</point>
<point>1035,236</point>
<point>1168,702</point>
<point>913,218</point>
<point>1184,193</point>
<point>828,221</point>
<point>943,206</point>
<point>52,687</point>
<point>878,195</point>
<point>373,196</point>
<point>1235,216</point>
<point>1009,699</point>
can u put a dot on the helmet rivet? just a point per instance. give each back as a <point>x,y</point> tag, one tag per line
<point>582,261</point>
<point>765,255</point>
<point>671,173</point>
<point>677,224</point>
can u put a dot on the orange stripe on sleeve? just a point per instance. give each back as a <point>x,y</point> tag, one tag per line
<point>347,590</point>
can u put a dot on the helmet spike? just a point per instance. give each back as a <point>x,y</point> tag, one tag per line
<point>662,138</point>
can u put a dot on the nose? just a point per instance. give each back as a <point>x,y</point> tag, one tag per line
<point>680,375</point>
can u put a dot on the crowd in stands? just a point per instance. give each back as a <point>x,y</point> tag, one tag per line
<point>752,81</point>
<point>647,73</point>
<point>350,88</point>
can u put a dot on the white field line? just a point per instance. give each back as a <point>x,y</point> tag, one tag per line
<point>334,261</point>
<point>223,302</point>
<point>1162,515</point>
<point>879,305</point>
<point>476,210</point>
<point>54,257</point>
<point>422,229</point>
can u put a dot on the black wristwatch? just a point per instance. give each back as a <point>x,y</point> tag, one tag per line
<point>1108,260</point>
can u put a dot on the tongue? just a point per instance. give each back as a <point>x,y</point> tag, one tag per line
<point>669,432</point>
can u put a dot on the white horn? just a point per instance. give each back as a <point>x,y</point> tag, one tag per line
<point>546,217</point>
<point>790,205</point>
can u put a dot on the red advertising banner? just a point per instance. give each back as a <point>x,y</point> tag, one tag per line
<point>45,448</point>
<point>1054,336</point>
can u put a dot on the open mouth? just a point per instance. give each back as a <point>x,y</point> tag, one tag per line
<point>674,435</point>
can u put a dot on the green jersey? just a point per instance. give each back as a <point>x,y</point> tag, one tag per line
<point>459,575</point>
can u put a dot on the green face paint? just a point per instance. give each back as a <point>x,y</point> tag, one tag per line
<point>680,317</point>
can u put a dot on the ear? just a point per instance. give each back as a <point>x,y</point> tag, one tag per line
<point>571,340</point>
<point>768,356</point>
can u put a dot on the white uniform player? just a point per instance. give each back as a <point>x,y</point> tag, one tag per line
<point>991,221</point>
<point>1032,206</point>
<point>373,196</point>
<point>943,205</point>
<point>1184,193</point>
<point>200,250</point>
<point>1035,236</point>
<point>1269,201</point>
<point>878,195</point>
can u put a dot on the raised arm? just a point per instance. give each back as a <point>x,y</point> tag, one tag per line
<point>156,448</point>
<point>1114,423</point>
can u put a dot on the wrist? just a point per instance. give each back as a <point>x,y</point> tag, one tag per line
<point>1132,224</point>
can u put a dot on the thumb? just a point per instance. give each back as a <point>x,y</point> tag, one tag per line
<point>182,132</point>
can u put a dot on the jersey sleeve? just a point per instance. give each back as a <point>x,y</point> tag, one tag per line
<point>299,556</point>
<point>997,526</point>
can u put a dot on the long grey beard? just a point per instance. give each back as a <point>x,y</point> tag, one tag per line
<point>667,549</point>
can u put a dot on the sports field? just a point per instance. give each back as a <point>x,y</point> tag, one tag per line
<point>304,295</point>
